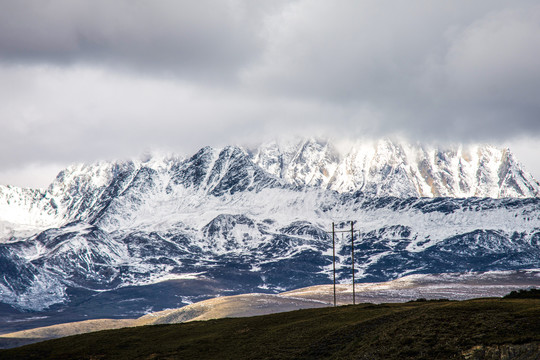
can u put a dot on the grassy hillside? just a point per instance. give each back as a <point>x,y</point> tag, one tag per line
<point>415,330</point>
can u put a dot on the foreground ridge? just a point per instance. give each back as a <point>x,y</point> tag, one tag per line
<point>474,329</point>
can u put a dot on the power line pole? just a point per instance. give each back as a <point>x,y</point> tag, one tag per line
<point>334,259</point>
<point>352,258</point>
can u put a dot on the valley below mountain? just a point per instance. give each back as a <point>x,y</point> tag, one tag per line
<point>456,286</point>
<point>480,329</point>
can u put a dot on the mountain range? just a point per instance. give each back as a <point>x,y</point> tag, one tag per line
<point>237,220</point>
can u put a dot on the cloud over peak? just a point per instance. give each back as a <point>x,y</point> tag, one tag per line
<point>84,79</point>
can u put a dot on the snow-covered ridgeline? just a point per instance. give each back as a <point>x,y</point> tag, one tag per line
<point>389,168</point>
<point>192,213</point>
<point>126,194</point>
<point>79,192</point>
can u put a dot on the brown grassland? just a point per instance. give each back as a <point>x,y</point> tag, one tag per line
<point>414,330</point>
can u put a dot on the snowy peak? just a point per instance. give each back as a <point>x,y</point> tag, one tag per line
<point>514,180</point>
<point>308,163</point>
<point>217,172</point>
<point>388,168</point>
<point>83,191</point>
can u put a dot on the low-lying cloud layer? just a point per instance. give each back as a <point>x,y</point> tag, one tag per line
<point>85,80</point>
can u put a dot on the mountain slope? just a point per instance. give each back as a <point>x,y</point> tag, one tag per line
<point>252,221</point>
<point>272,245</point>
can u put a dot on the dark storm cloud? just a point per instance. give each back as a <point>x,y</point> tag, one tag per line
<point>204,38</point>
<point>457,69</point>
<point>469,67</point>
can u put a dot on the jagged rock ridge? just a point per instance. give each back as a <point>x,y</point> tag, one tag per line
<point>386,168</point>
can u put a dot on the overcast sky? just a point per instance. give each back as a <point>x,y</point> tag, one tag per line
<point>106,79</point>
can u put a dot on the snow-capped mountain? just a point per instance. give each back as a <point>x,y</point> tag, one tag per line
<point>386,168</point>
<point>381,168</point>
<point>233,220</point>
